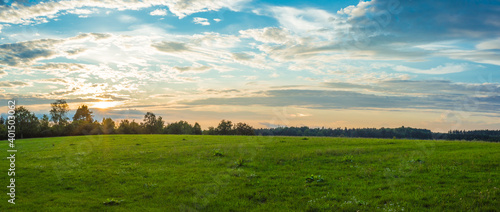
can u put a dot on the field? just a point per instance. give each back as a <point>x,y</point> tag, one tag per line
<point>244,173</point>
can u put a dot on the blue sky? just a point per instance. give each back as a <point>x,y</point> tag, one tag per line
<point>379,63</point>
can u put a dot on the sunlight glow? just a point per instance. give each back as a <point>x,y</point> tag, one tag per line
<point>105,105</point>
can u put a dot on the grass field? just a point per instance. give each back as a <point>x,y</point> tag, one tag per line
<point>242,173</point>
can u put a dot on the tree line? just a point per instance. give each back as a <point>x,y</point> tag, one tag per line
<point>400,133</point>
<point>28,125</point>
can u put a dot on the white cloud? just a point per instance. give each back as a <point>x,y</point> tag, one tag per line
<point>2,73</point>
<point>303,21</point>
<point>159,12</point>
<point>490,44</point>
<point>448,68</point>
<point>215,40</point>
<point>38,13</point>
<point>217,20</point>
<point>202,21</point>
<point>80,11</point>
<point>268,35</point>
<point>127,18</point>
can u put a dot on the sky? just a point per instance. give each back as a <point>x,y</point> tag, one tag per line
<point>379,63</point>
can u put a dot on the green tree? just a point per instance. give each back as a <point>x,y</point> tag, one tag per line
<point>58,112</point>
<point>26,123</point>
<point>149,122</point>
<point>197,129</point>
<point>243,129</point>
<point>45,126</point>
<point>160,124</point>
<point>108,126</point>
<point>135,128</point>
<point>3,130</point>
<point>224,128</point>
<point>153,125</point>
<point>181,127</point>
<point>124,127</point>
<point>83,113</point>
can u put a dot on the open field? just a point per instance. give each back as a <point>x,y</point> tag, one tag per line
<point>243,173</point>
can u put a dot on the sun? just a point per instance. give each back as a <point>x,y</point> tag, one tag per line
<point>105,105</point>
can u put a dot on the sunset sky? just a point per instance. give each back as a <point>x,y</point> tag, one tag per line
<point>380,63</point>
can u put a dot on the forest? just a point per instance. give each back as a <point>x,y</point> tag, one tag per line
<point>28,125</point>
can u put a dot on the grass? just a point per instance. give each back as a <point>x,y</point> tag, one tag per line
<point>238,173</point>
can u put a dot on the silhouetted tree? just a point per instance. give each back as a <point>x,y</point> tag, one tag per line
<point>3,131</point>
<point>45,126</point>
<point>197,129</point>
<point>243,129</point>
<point>210,131</point>
<point>124,127</point>
<point>58,112</point>
<point>181,127</point>
<point>108,126</point>
<point>152,124</point>
<point>26,123</point>
<point>83,113</point>
<point>224,128</point>
<point>135,128</point>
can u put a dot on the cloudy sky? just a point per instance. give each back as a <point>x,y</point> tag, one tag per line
<point>379,63</point>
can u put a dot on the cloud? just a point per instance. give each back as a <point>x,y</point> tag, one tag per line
<point>380,30</point>
<point>127,19</point>
<point>38,13</point>
<point>159,12</point>
<point>317,99</point>
<point>181,8</point>
<point>242,56</point>
<point>217,19</point>
<point>199,68</point>
<point>420,88</point>
<point>202,21</point>
<point>214,40</point>
<point>267,35</point>
<point>389,94</point>
<point>167,46</point>
<point>27,52</point>
<point>448,68</point>
<point>13,84</point>
<point>2,73</point>
<point>489,45</point>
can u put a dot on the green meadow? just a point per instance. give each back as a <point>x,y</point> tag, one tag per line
<point>251,173</point>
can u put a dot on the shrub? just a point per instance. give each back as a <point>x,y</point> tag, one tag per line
<point>314,178</point>
<point>112,201</point>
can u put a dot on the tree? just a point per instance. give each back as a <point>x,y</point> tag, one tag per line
<point>197,129</point>
<point>224,128</point>
<point>45,126</point>
<point>58,112</point>
<point>108,126</point>
<point>152,124</point>
<point>2,120</point>
<point>181,127</point>
<point>135,128</point>
<point>149,122</point>
<point>159,125</point>
<point>244,129</point>
<point>26,123</point>
<point>83,113</point>
<point>3,131</point>
<point>124,127</point>
<point>210,131</point>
